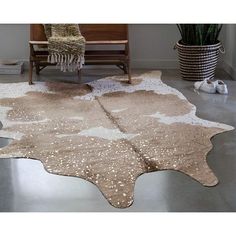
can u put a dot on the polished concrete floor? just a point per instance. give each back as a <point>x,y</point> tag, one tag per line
<point>26,186</point>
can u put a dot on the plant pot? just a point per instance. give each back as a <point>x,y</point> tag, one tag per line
<point>198,62</point>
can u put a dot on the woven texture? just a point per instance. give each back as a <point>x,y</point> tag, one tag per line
<point>66,46</point>
<point>198,62</point>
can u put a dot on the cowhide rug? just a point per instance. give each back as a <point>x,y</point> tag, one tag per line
<point>107,132</point>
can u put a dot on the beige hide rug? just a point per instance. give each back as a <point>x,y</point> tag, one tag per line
<point>107,132</point>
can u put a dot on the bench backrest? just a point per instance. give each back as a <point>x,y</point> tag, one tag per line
<point>91,32</point>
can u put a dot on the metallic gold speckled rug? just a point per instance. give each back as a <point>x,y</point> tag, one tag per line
<point>107,132</point>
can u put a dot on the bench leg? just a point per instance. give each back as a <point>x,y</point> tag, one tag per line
<point>125,69</point>
<point>31,73</point>
<point>129,72</point>
<point>37,68</point>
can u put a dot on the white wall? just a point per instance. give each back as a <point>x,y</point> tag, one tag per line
<point>151,45</point>
<point>229,41</point>
<point>14,41</point>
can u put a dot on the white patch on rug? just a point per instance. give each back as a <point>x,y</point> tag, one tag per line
<point>76,118</point>
<point>150,82</point>
<point>11,135</point>
<point>101,132</point>
<point>14,90</point>
<point>118,110</point>
<point>12,155</point>
<point>189,118</point>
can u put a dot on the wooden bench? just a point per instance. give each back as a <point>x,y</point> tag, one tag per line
<point>105,35</point>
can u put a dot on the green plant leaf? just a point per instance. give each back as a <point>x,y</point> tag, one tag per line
<point>199,34</point>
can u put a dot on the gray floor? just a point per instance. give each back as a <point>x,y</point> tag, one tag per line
<point>26,186</point>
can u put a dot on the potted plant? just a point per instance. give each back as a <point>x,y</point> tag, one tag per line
<point>198,50</point>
